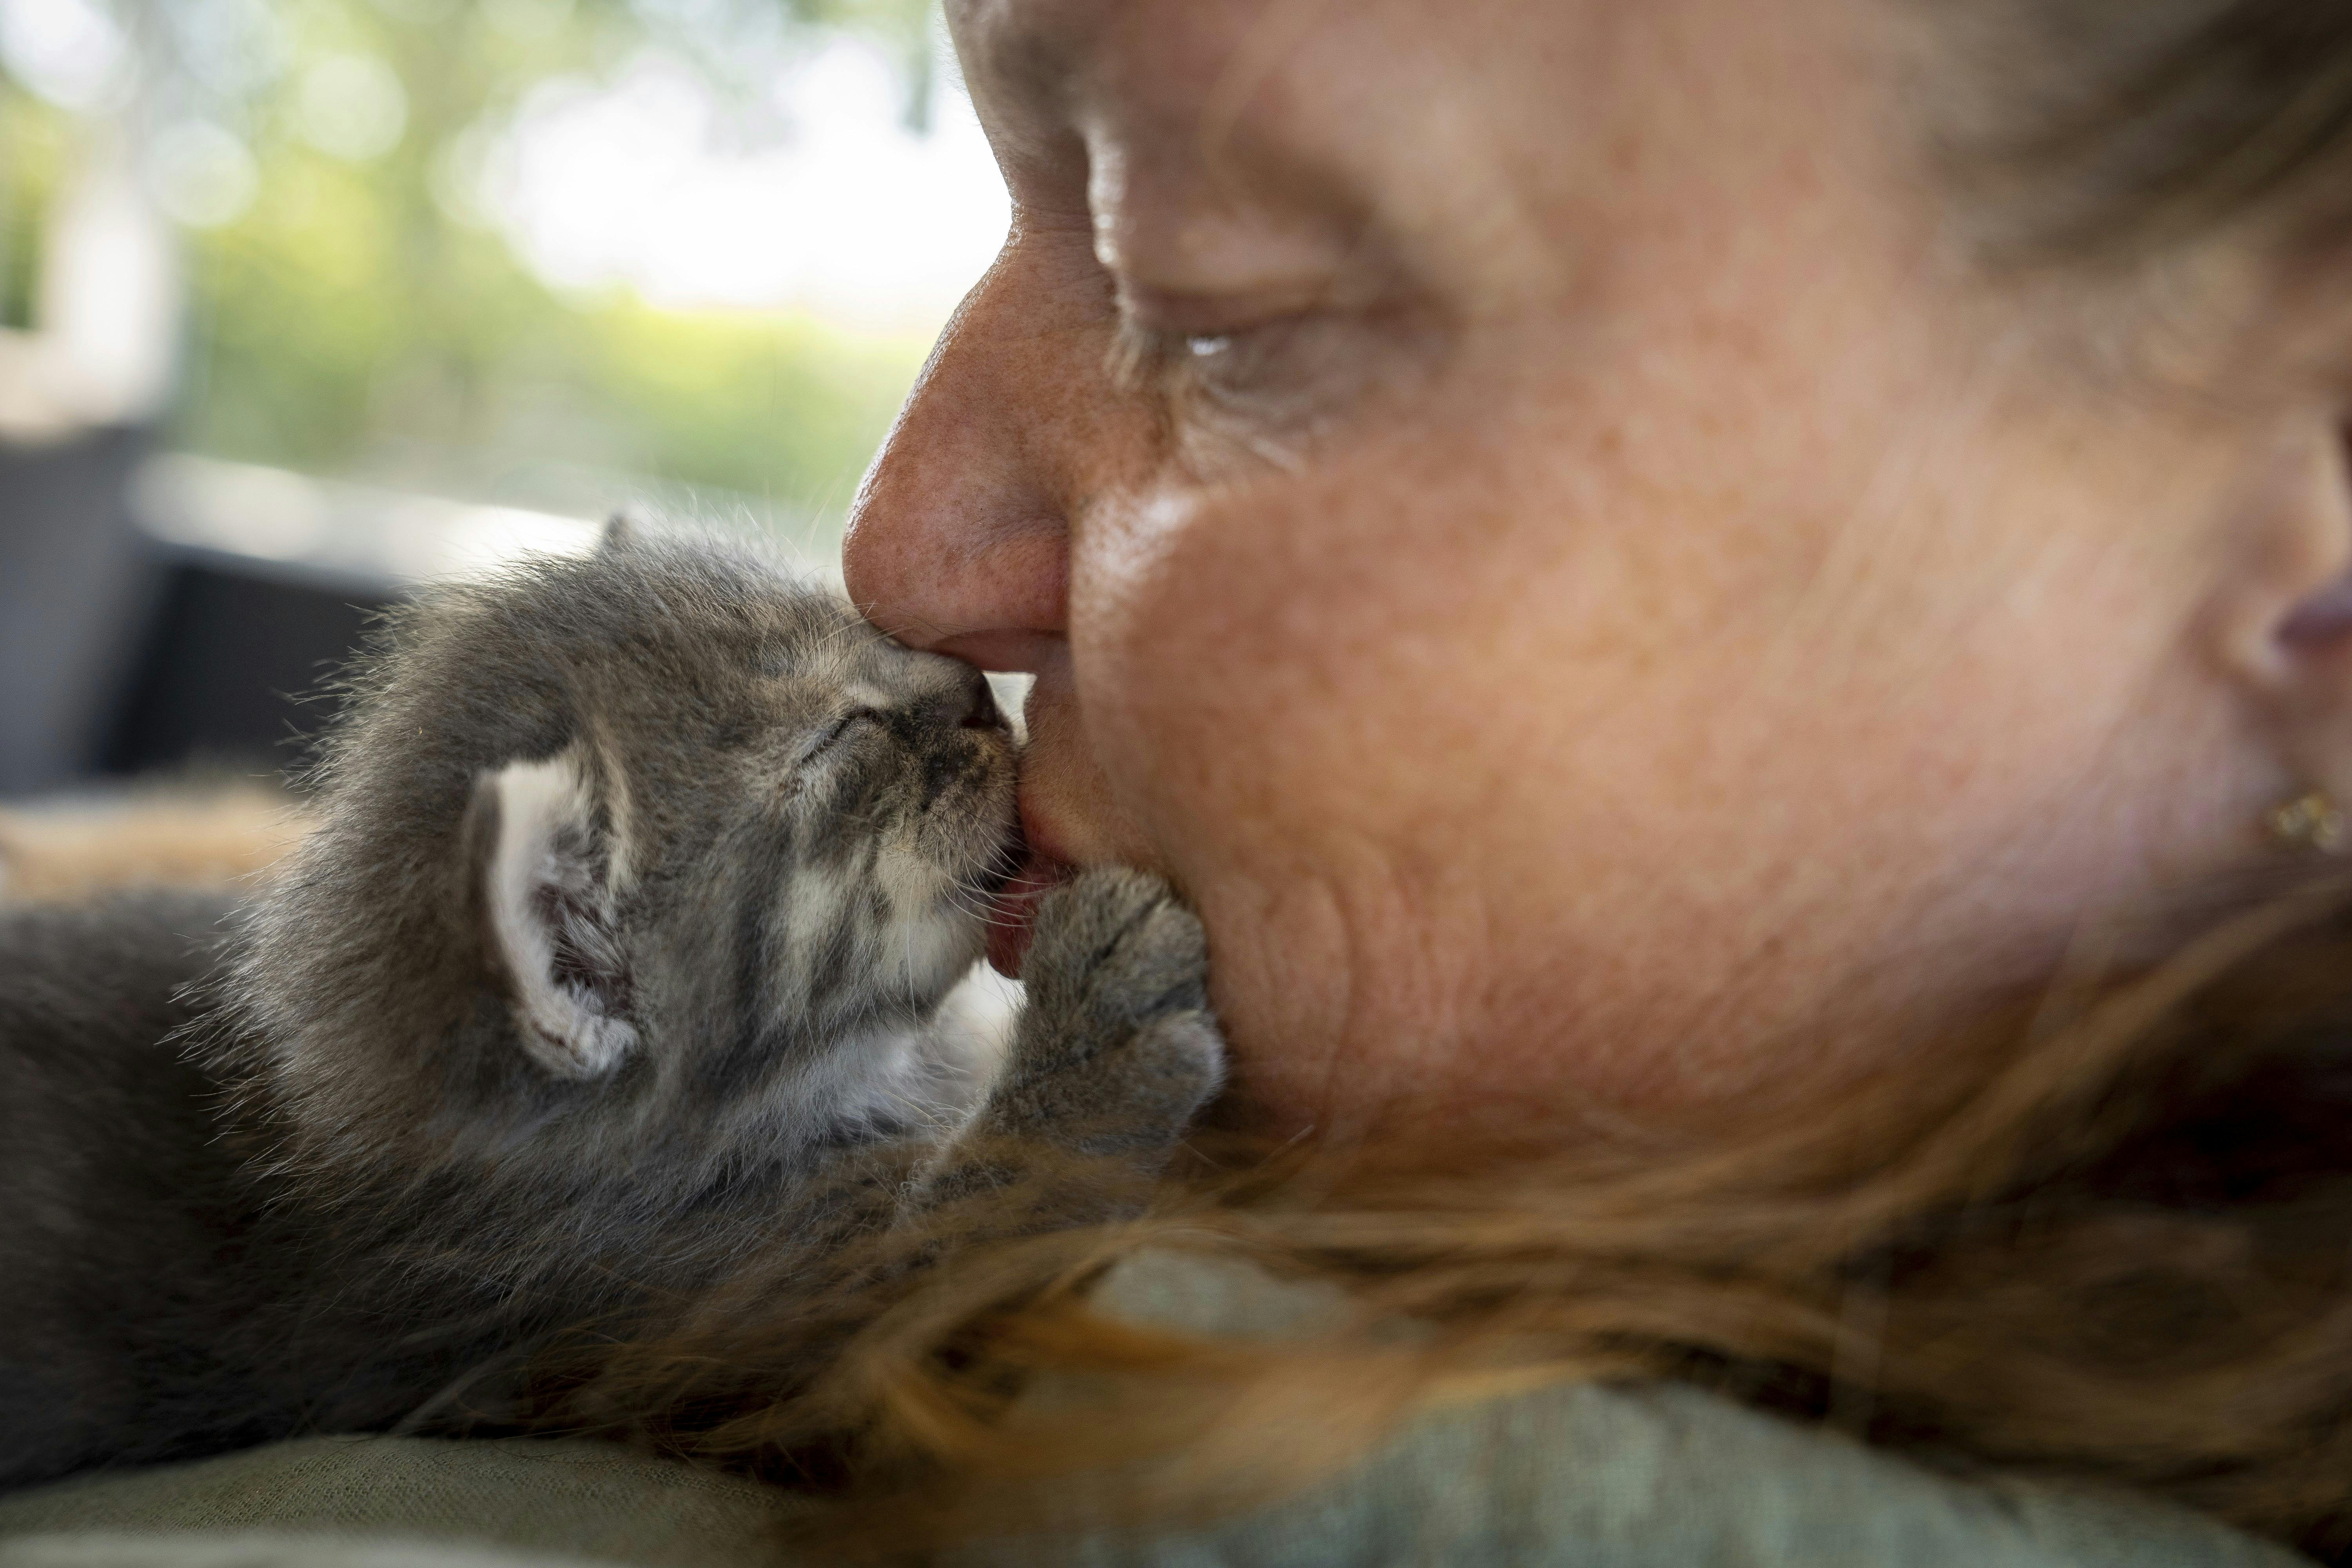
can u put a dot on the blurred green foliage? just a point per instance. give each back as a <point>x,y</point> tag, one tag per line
<point>327,331</point>
<point>32,151</point>
<point>355,318</point>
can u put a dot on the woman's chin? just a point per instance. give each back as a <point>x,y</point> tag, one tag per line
<point>1011,918</point>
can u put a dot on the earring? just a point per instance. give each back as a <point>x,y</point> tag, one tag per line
<point>2311,822</point>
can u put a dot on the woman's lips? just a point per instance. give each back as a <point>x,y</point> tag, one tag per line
<point>1011,918</point>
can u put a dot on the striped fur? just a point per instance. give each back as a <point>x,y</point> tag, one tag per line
<point>615,962</point>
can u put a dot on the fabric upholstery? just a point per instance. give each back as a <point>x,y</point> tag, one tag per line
<point>1583,1477</point>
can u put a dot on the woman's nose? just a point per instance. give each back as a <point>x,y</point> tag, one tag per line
<point>959,539</point>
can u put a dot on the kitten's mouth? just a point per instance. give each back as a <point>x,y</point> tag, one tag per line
<point>1013,913</point>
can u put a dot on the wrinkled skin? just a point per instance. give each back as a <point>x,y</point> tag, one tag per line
<point>1529,514</point>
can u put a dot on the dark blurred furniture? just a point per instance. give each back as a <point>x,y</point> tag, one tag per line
<point>165,611</point>
<point>229,674</point>
<point>161,613</point>
<point>77,581</point>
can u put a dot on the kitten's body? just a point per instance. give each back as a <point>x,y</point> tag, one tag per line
<point>120,1204</point>
<point>617,958</point>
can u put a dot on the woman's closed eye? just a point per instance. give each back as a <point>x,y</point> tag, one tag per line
<point>1273,368</point>
<point>1265,383</point>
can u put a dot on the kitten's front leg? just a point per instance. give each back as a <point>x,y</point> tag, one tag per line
<point>1111,1059</point>
<point>1115,1052</point>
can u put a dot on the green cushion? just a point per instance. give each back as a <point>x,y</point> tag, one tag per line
<point>180,1549</point>
<point>1588,1476</point>
<point>582,1499</point>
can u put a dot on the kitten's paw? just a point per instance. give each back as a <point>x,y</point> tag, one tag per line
<point>1175,1065</point>
<point>1114,950</point>
<point>1117,1050</point>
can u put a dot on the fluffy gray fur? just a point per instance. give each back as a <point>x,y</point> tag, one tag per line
<point>617,961</point>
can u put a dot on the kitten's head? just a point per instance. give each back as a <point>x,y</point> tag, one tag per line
<point>635,844</point>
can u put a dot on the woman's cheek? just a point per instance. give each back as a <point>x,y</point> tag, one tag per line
<point>1223,644</point>
<point>1238,665</point>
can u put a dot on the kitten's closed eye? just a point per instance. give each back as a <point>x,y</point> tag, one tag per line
<point>840,730</point>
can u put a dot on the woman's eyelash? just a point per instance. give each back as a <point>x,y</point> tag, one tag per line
<point>1144,358</point>
<point>1174,364</point>
<point>1275,379</point>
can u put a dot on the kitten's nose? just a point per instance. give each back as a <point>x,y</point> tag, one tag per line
<point>971,706</point>
<point>980,706</point>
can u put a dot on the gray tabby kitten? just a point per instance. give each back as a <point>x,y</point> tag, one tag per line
<point>616,961</point>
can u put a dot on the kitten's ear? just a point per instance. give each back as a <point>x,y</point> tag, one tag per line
<point>543,867</point>
<point>620,535</point>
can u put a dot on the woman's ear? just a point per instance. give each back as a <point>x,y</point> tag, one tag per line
<point>543,866</point>
<point>2281,625</point>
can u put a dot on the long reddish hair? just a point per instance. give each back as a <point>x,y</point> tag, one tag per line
<point>2107,1237</point>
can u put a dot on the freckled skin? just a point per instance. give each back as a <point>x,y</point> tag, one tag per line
<point>1642,627</point>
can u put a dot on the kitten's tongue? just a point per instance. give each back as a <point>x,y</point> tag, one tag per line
<point>1010,921</point>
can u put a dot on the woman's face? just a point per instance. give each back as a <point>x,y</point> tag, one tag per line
<point>1521,510</point>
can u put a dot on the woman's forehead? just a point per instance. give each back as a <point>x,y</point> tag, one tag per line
<point>1282,100</point>
<point>1373,129</point>
<point>1148,57</point>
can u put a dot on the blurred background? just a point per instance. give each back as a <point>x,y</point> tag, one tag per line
<point>304,301</point>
